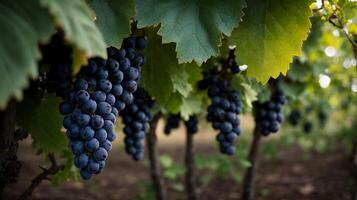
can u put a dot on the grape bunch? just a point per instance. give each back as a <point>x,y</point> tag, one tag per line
<point>230,62</point>
<point>294,117</point>
<point>192,124</point>
<point>58,56</point>
<point>307,127</point>
<point>137,117</point>
<point>223,113</point>
<point>172,122</point>
<point>101,90</point>
<point>268,115</point>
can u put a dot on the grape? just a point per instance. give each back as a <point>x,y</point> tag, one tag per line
<point>268,114</point>
<point>97,122</point>
<point>93,166</point>
<point>102,90</point>
<point>307,127</point>
<point>141,43</point>
<point>77,147</point>
<point>172,122</point>
<point>191,124</point>
<point>81,161</point>
<point>225,104</point>
<point>136,119</point>
<point>101,154</point>
<point>223,113</point>
<point>82,96</point>
<point>101,135</point>
<point>294,117</point>
<point>66,108</point>
<point>85,174</point>
<point>58,56</point>
<point>87,133</point>
<point>89,106</point>
<point>92,145</point>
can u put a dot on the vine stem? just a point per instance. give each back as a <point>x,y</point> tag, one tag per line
<point>8,144</point>
<point>155,169</point>
<point>44,175</point>
<point>248,182</point>
<point>190,180</point>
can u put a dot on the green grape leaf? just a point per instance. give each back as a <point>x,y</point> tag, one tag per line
<point>70,172</point>
<point>77,20</point>
<point>162,75</point>
<point>292,90</point>
<point>272,32</point>
<point>191,105</point>
<point>113,19</point>
<point>174,103</point>
<point>40,116</point>
<point>299,71</point>
<point>24,24</point>
<point>348,9</point>
<point>249,95</point>
<point>195,26</point>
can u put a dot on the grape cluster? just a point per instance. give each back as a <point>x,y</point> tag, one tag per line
<point>294,117</point>
<point>136,118</point>
<point>223,112</point>
<point>102,89</point>
<point>172,122</point>
<point>230,62</point>
<point>268,115</point>
<point>322,117</point>
<point>58,56</point>
<point>307,127</point>
<point>192,124</point>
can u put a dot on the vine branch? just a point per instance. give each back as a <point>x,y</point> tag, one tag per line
<point>248,182</point>
<point>44,175</point>
<point>155,169</point>
<point>190,170</point>
<point>340,25</point>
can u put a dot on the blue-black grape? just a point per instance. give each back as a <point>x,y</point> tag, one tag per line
<point>307,127</point>
<point>136,118</point>
<point>58,56</point>
<point>101,90</point>
<point>268,115</point>
<point>192,124</point>
<point>223,112</point>
<point>294,117</point>
<point>172,122</point>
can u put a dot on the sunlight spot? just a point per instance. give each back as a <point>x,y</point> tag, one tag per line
<point>330,51</point>
<point>324,80</point>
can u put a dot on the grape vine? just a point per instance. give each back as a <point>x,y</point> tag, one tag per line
<point>268,115</point>
<point>136,118</point>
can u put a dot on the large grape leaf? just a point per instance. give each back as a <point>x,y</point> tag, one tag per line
<point>77,20</point>
<point>195,26</point>
<point>41,117</point>
<point>113,19</point>
<point>23,25</point>
<point>272,32</point>
<point>162,75</point>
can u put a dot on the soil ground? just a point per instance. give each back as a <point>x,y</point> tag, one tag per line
<point>291,176</point>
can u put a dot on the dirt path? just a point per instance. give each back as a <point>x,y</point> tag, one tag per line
<point>290,177</point>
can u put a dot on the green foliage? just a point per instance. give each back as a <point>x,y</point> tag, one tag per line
<point>195,26</point>
<point>171,170</point>
<point>270,35</point>
<point>23,25</point>
<point>76,19</point>
<point>70,172</point>
<point>40,116</point>
<point>162,76</point>
<point>113,19</point>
